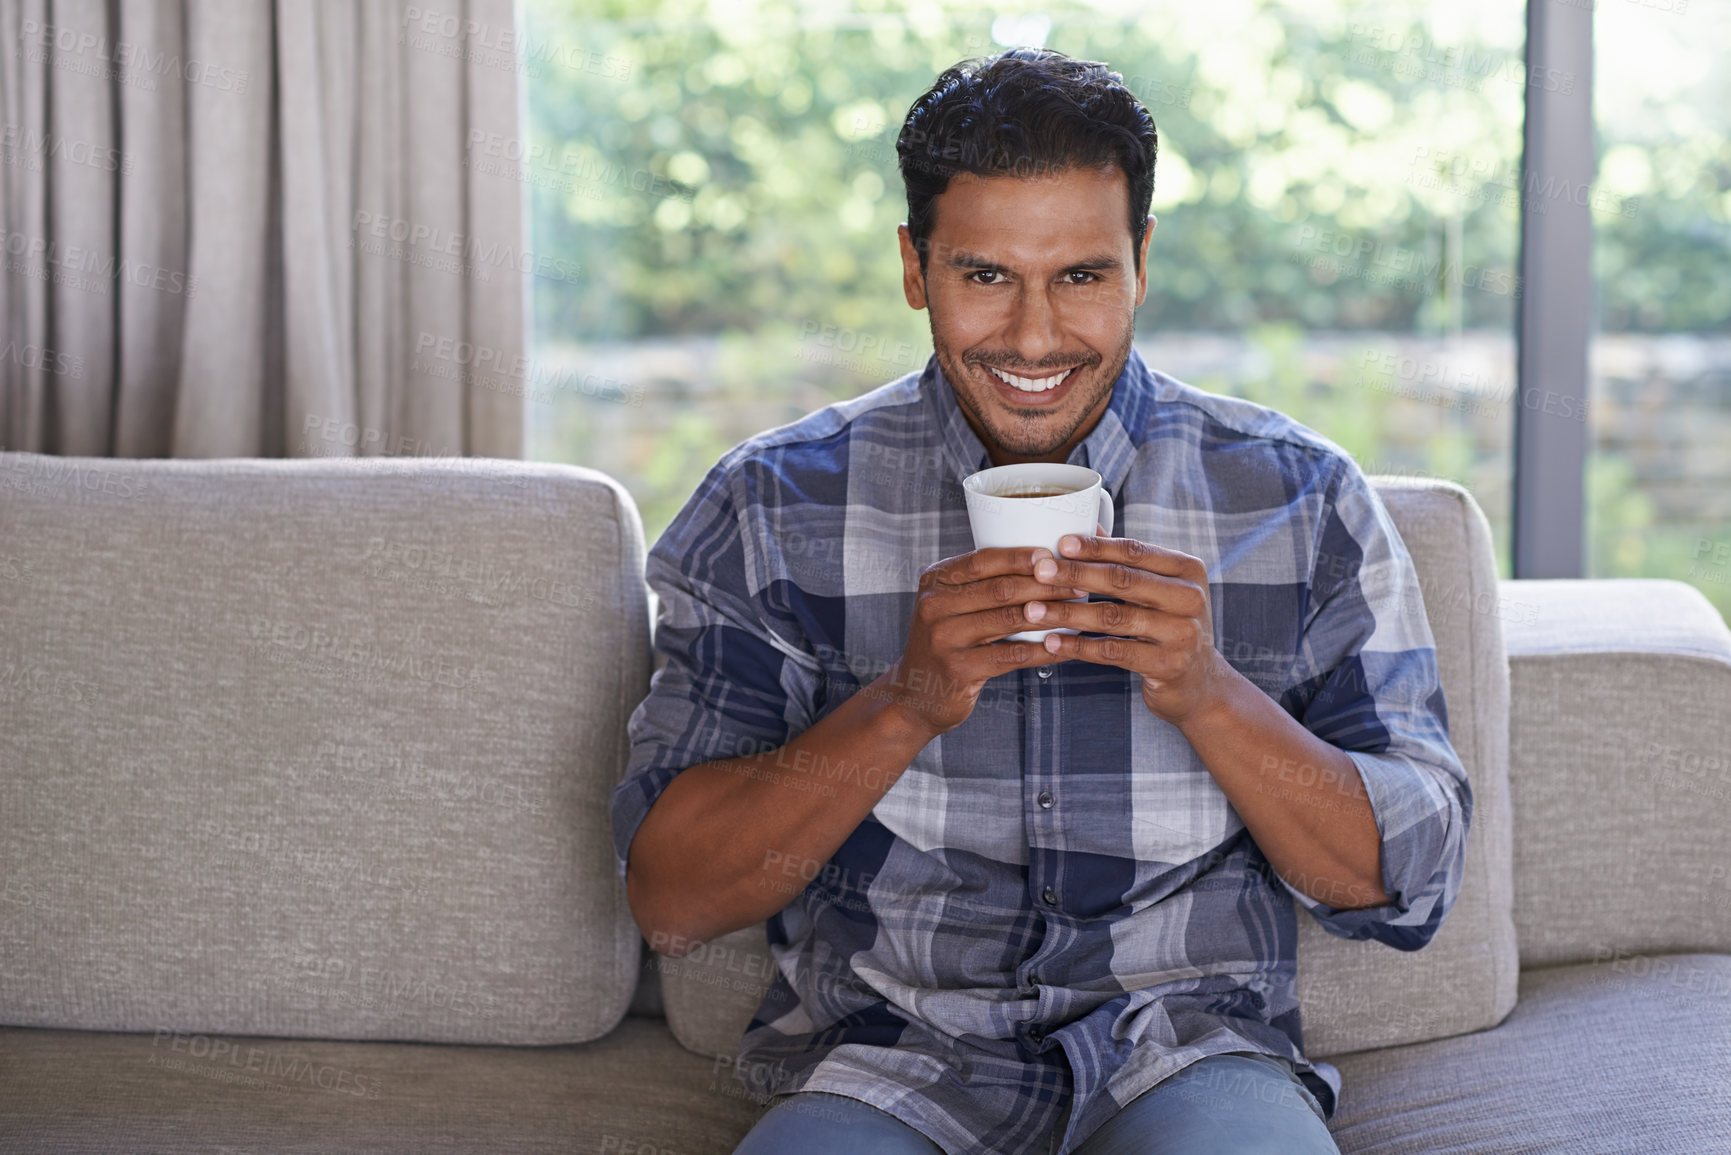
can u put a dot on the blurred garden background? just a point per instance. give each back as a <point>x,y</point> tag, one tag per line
<point>1339,193</point>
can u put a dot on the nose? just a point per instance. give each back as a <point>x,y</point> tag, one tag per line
<point>1033,330</point>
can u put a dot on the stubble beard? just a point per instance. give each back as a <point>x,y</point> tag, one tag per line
<point>1033,432</point>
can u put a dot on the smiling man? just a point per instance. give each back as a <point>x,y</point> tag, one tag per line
<point>1052,885</point>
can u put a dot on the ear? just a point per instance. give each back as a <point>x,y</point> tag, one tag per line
<point>1142,270</point>
<point>913,280</point>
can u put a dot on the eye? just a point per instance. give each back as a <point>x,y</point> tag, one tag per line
<point>1080,277</point>
<point>979,273</point>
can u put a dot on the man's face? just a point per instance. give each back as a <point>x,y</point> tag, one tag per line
<point>1031,280</point>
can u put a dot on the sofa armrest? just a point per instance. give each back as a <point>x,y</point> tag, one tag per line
<point>1619,769</point>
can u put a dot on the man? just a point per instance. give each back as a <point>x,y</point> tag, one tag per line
<point>1055,905</point>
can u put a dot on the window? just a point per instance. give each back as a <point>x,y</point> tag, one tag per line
<point>1659,466</point>
<point>1339,190</point>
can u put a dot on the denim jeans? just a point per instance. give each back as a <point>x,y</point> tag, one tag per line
<point>1221,1105</point>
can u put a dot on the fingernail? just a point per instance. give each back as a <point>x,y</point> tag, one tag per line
<point>1068,545</point>
<point>1051,643</point>
<point>1036,611</point>
<point>1046,569</point>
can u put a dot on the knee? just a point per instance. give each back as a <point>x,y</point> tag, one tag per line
<point>809,1121</point>
<point>1287,1145</point>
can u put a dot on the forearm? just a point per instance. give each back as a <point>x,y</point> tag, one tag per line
<point>1301,798</point>
<point>714,852</point>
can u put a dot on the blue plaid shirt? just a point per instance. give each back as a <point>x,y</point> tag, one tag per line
<point>1055,904</point>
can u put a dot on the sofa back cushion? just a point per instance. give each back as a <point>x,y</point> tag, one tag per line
<point>316,748</point>
<point>1353,995</point>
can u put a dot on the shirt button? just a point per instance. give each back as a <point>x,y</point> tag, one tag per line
<point>1050,895</point>
<point>1045,671</point>
<point>1046,799</point>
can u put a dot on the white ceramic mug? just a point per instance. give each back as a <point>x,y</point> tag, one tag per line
<point>1001,518</point>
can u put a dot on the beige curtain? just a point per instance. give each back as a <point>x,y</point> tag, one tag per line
<point>240,228</point>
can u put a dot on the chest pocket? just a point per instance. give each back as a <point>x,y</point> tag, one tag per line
<point>963,791</point>
<point>1177,811</point>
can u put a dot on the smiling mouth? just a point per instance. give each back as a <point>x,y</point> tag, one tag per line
<point>1032,384</point>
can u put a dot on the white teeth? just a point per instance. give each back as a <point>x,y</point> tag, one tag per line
<point>1030,384</point>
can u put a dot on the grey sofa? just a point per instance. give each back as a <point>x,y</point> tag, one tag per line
<point>304,843</point>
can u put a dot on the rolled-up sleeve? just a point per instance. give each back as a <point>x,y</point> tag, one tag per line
<point>728,684</point>
<point>1368,684</point>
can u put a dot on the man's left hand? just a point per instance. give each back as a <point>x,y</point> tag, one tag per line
<point>1161,628</point>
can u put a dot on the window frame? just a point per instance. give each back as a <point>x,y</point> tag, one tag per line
<point>1548,516</point>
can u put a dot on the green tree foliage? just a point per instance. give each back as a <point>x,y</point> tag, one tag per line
<point>743,168</point>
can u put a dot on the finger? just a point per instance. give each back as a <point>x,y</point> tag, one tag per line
<point>1171,632</point>
<point>981,627</point>
<point>975,665</point>
<point>1118,580</point>
<point>942,603</point>
<point>1002,657</point>
<point>980,564</point>
<point>1138,657</point>
<point>1134,553</point>
<point>1121,619</point>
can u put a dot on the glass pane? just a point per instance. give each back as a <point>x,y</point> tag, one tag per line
<point>1337,188</point>
<point>1659,474</point>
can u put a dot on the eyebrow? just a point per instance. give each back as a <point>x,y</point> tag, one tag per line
<point>1100,263</point>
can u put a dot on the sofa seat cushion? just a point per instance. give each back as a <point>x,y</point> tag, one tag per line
<point>1627,1054</point>
<point>633,1092</point>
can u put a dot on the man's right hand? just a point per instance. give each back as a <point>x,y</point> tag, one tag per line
<point>965,606</point>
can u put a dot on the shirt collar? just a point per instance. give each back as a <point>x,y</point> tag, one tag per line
<point>1109,449</point>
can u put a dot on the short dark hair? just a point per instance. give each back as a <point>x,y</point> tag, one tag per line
<point>1024,112</point>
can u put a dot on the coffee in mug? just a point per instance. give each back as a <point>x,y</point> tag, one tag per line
<point>1036,504</point>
